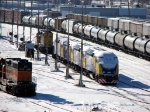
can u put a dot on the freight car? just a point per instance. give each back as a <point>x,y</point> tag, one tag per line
<point>120,34</point>
<point>98,64</point>
<point>16,76</point>
<point>117,33</point>
<point>13,16</point>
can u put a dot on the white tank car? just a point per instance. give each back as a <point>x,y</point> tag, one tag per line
<point>147,47</point>
<point>76,28</point>
<point>47,21</point>
<point>52,23</point>
<point>70,25</point>
<point>40,20</point>
<point>110,36</point>
<point>102,34</point>
<point>87,30</point>
<point>119,39</point>
<point>129,41</point>
<point>140,44</point>
<point>26,19</point>
<point>33,20</point>
<point>63,25</point>
<point>94,32</point>
<point>80,29</point>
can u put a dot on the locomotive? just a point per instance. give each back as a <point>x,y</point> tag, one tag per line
<point>45,40</point>
<point>98,64</point>
<point>16,76</point>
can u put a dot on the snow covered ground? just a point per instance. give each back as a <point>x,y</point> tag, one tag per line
<point>55,93</point>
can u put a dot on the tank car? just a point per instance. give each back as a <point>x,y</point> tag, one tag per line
<point>52,24</point>
<point>142,46</point>
<point>119,41</point>
<point>70,25</point>
<point>81,29</point>
<point>63,26</point>
<point>87,31</point>
<point>26,20</point>
<point>129,42</point>
<point>102,36</point>
<point>47,21</point>
<point>40,20</point>
<point>94,33</point>
<point>32,20</point>
<point>76,28</point>
<point>16,76</point>
<point>110,37</point>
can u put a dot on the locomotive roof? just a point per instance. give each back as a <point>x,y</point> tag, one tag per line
<point>105,54</point>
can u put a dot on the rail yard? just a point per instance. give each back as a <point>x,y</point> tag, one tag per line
<point>76,63</point>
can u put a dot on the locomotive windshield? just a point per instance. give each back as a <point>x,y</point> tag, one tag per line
<point>24,66</point>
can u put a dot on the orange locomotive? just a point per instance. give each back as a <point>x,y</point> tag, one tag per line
<point>16,76</point>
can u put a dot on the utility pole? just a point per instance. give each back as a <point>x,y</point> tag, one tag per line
<point>31,16</point>
<point>24,26</point>
<point>67,68</point>
<point>81,73</point>
<point>46,57</point>
<point>17,36</point>
<point>128,8</point>
<point>12,23</point>
<point>38,33</point>
<point>56,60</point>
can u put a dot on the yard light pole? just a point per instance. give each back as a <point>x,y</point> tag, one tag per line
<point>17,22</point>
<point>38,38</point>
<point>81,73</point>
<point>67,68</point>
<point>24,26</point>
<point>128,8</point>
<point>46,57</point>
<point>56,60</point>
<point>12,23</point>
<point>31,17</point>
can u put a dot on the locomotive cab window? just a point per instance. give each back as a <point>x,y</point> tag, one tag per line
<point>25,67</point>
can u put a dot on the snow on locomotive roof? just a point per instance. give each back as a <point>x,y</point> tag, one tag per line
<point>105,54</point>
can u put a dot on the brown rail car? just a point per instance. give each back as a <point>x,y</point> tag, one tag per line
<point>58,22</point>
<point>2,15</point>
<point>9,14</point>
